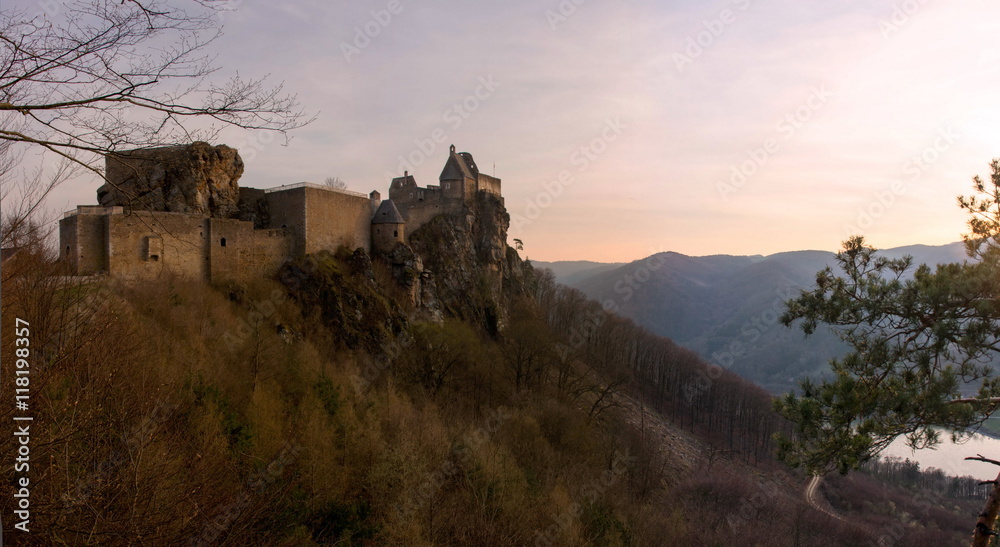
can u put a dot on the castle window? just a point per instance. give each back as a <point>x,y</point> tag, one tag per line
<point>447,185</point>
<point>67,249</point>
<point>154,248</point>
<point>395,233</point>
<point>222,242</point>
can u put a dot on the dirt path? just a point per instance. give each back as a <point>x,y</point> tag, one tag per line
<point>813,497</point>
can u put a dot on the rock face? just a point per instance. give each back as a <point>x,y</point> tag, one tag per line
<point>468,269</point>
<point>193,178</point>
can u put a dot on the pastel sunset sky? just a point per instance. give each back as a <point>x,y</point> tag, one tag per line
<point>621,129</point>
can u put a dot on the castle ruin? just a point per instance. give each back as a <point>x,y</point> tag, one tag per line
<point>180,211</point>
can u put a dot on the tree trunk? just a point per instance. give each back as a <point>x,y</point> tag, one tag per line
<point>984,526</point>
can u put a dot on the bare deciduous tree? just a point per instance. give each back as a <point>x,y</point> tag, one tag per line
<point>336,183</point>
<point>101,76</point>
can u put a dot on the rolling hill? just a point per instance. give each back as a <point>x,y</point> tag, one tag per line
<point>726,307</point>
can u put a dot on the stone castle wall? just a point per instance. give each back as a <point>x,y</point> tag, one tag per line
<point>287,211</point>
<point>488,184</point>
<point>236,250</point>
<point>82,235</point>
<point>319,218</point>
<point>419,205</point>
<point>152,244</point>
<point>201,225</point>
<point>337,218</point>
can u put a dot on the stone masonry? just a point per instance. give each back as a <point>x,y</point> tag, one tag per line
<point>179,211</point>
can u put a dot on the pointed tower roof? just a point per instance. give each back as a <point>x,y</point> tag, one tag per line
<point>459,166</point>
<point>387,213</point>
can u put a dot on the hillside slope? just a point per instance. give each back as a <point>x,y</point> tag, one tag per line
<point>447,394</point>
<point>726,307</point>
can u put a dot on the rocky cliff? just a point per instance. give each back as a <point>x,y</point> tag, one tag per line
<point>193,178</point>
<point>457,265</point>
<point>464,266</point>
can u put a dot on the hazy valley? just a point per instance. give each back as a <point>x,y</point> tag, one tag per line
<point>726,308</point>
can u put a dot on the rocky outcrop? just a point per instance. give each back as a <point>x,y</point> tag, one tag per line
<point>474,274</point>
<point>194,178</point>
<point>253,207</point>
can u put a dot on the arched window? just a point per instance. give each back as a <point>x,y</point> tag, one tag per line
<point>222,242</point>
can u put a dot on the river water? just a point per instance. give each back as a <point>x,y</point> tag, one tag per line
<point>950,457</point>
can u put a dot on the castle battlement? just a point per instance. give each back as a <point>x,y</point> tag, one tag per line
<point>314,186</point>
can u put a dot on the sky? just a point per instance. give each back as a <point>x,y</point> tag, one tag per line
<point>622,129</point>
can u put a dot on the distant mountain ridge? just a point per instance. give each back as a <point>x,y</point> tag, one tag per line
<point>726,307</point>
<point>569,272</point>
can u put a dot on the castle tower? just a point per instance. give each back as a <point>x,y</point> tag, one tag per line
<point>388,227</point>
<point>459,177</point>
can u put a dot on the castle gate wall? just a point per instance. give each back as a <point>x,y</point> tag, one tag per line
<point>149,244</point>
